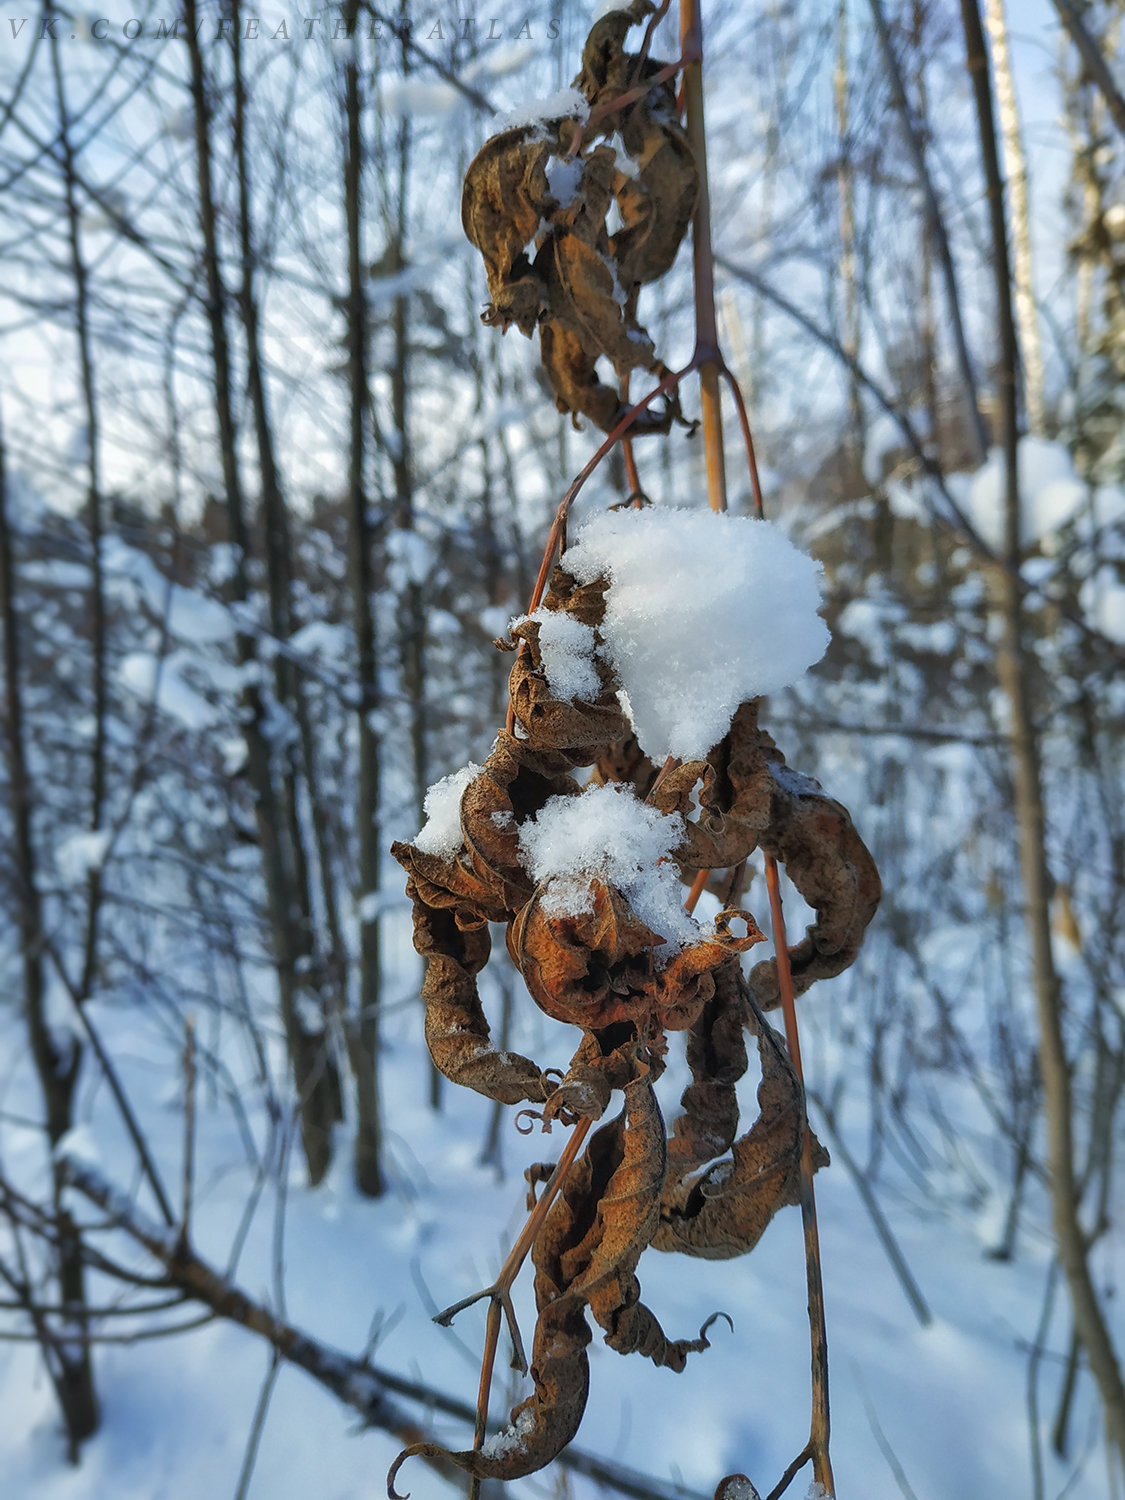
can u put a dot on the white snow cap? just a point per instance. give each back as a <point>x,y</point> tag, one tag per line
<point>441,832</point>
<point>703,612</point>
<point>566,647</point>
<point>609,832</point>
<point>566,104</point>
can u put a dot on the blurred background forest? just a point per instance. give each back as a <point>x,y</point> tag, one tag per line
<point>269,493</point>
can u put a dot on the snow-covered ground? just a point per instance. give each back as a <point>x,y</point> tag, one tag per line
<point>939,1412</point>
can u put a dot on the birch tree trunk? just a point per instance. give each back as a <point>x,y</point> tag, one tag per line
<point>1015,171</point>
<point>1071,1240</point>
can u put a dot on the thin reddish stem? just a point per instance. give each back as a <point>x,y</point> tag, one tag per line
<point>747,438</point>
<point>630,96</point>
<point>697,888</point>
<point>650,30</point>
<point>821,1425</point>
<point>712,366</point>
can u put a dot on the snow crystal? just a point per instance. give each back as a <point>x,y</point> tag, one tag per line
<point>441,832</point>
<point>567,104</point>
<point>567,648</point>
<point>737,1486</point>
<point>622,160</point>
<point>511,1440</point>
<point>609,832</point>
<point>563,176</point>
<point>703,612</point>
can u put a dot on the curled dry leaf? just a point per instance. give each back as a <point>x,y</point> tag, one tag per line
<point>724,1211</point>
<point>581,288</point>
<point>586,1256</point>
<point>749,798</point>
<point>457,1032</point>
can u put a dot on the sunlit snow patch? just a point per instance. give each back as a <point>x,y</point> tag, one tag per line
<point>703,612</point>
<point>609,833</point>
<point>566,649</point>
<point>441,832</point>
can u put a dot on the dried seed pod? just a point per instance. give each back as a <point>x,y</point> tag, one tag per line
<point>513,785</point>
<point>657,203</point>
<point>607,69</point>
<point>750,798</point>
<point>548,721</point>
<point>545,1423</point>
<point>598,966</point>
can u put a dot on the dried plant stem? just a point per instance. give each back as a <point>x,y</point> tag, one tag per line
<point>632,476</point>
<point>712,366</point>
<point>817,1448</point>
<point>500,1290</point>
<point>697,887</point>
<point>707,355</point>
<point>491,1339</point>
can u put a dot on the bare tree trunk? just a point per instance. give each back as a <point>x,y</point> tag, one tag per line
<point>1097,67</point>
<point>57,1058</point>
<point>279,572</point>
<point>412,624</point>
<point>1015,170</point>
<point>94,517</point>
<point>363,1029</point>
<point>845,181</point>
<point>1015,677</point>
<point>308,1050</point>
<point>936,224</point>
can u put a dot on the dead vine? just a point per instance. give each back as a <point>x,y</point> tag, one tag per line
<point>591,960</point>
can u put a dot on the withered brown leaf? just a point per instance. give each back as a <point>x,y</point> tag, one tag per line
<point>725,1210</point>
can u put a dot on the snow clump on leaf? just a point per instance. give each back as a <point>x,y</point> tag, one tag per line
<point>610,834</point>
<point>703,612</point>
<point>566,646</point>
<point>441,832</point>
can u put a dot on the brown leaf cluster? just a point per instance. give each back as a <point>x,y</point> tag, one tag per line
<point>705,1191</point>
<point>580,288</point>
